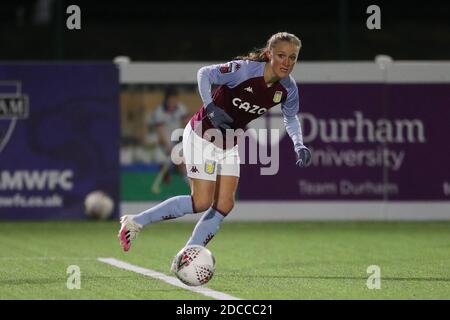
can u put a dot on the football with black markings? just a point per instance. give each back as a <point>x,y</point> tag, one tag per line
<point>194,265</point>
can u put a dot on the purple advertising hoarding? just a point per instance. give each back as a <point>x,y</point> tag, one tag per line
<point>59,136</point>
<point>369,142</point>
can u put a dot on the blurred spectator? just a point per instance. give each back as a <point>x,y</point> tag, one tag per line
<point>167,117</point>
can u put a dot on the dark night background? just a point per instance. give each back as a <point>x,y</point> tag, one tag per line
<point>212,31</point>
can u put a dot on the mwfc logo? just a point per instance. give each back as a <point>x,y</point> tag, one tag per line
<point>13,106</point>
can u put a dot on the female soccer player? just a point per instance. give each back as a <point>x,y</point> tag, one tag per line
<point>247,88</point>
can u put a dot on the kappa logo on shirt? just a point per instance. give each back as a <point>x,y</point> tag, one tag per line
<point>229,67</point>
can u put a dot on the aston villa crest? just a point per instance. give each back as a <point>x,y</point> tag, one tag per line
<point>210,166</point>
<point>277,96</point>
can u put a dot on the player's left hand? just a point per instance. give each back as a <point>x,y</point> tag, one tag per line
<point>303,157</point>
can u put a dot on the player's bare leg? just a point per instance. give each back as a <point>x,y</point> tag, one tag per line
<point>225,193</point>
<point>202,192</point>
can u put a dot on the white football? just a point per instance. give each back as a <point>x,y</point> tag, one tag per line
<point>98,205</point>
<point>194,265</point>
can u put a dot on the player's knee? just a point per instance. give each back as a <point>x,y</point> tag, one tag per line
<point>224,206</point>
<point>201,204</point>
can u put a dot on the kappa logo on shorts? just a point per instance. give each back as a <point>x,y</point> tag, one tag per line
<point>210,166</point>
<point>194,169</point>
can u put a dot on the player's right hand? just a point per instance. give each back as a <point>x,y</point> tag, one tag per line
<point>218,117</point>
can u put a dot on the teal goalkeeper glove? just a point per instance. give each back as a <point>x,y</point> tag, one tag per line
<point>303,156</point>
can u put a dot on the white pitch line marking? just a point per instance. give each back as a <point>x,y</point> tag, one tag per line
<point>170,280</point>
<point>46,258</point>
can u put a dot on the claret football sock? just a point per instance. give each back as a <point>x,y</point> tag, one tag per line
<point>206,227</point>
<point>170,209</point>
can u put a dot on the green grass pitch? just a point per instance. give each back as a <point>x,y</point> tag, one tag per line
<point>265,260</point>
